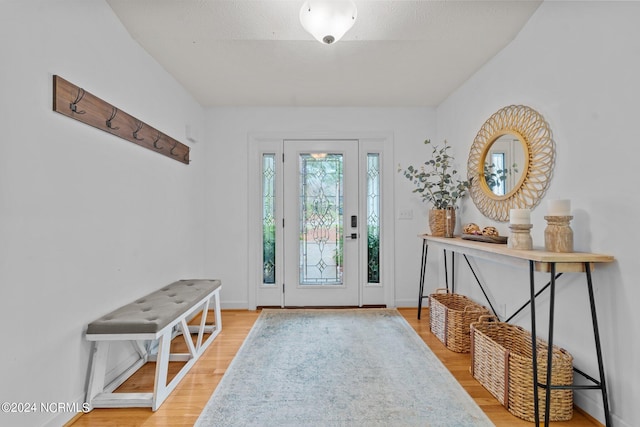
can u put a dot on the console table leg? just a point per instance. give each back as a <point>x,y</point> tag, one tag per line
<point>596,334</point>
<point>552,298</point>
<point>453,272</point>
<point>534,347</point>
<point>446,270</point>
<point>481,287</point>
<point>423,266</point>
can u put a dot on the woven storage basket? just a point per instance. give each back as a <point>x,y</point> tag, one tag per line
<point>450,317</point>
<point>502,361</point>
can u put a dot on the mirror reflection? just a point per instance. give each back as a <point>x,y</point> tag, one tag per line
<point>504,164</point>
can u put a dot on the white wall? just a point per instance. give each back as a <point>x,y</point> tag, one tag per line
<point>576,63</point>
<point>88,221</point>
<point>226,181</point>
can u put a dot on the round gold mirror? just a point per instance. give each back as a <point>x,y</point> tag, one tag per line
<point>510,162</point>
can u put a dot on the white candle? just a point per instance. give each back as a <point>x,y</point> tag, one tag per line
<point>520,216</point>
<point>559,207</point>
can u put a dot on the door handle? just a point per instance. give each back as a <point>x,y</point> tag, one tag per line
<point>351,236</point>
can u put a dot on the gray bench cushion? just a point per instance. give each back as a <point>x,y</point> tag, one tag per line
<point>153,312</point>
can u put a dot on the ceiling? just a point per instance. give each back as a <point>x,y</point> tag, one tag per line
<point>255,53</point>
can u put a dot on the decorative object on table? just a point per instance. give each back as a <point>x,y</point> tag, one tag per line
<point>437,183</point>
<point>471,228</point>
<point>442,222</point>
<point>558,236</point>
<point>489,234</point>
<point>520,226</point>
<point>502,361</point>
<point>485,239</point>
<point>450,316</point>
<point>490,231</point>
<point>514,135</point>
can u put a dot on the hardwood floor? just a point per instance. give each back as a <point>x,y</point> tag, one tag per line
<point>184,405</point>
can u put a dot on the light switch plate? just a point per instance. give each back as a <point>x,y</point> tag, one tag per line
<point>405,214</point>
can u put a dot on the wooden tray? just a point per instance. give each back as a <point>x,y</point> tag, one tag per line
<point>486,239</point>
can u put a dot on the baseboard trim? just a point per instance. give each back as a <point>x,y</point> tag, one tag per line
<point>73,420</point>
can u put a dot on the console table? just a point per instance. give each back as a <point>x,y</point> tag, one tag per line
<point>538,260</point>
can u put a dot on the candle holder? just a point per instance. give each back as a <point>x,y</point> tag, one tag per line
<point>520,237</point>
<point>558,236</point>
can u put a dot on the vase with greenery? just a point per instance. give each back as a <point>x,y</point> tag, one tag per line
<point>438,183</point>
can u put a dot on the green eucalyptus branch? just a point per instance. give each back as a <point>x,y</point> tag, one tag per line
<point>494,176</point>
<point>436,179</point>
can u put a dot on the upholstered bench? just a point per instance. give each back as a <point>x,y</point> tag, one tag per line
<point>155,318</point>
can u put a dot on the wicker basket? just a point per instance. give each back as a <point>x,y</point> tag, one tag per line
<point>502,361</point>
<point>450,317</point>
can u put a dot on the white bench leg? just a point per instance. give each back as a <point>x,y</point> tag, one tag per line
<point>160,391</point>
<point>203,324</point>
<point>142,350</point>
<point>216,296</point>
<point>97,369</point>
<point>204,328</point>
<point>187,338</point>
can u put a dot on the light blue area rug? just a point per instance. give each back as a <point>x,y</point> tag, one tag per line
<point>363,367</point>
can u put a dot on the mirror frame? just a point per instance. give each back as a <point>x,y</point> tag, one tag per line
<point>539,151</point>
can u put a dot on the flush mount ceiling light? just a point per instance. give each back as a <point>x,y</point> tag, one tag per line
<point>328,20</point>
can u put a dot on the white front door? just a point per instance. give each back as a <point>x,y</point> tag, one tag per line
<point>321,223</point>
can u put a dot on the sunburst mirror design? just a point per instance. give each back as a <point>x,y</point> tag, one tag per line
<point>510,162</point>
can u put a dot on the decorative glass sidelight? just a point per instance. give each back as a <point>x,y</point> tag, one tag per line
<point>268,219</point>
<point>321,219</point>
<point>373,218</point>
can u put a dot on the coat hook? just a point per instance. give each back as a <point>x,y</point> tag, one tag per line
<point>155,142</point>
<point>74,105</point>
<point>114,111</point>
<point>175,143</point>
<point>139,125</point>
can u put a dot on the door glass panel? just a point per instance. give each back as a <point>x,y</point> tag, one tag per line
<point>497,174</point>
<point>268,219</point>
<point>373,218</point>
<point>320,192</point>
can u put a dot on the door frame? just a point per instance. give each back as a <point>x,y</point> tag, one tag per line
<point>272,142</point>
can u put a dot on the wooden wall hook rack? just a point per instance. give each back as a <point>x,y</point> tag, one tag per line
<point>73,101</point>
